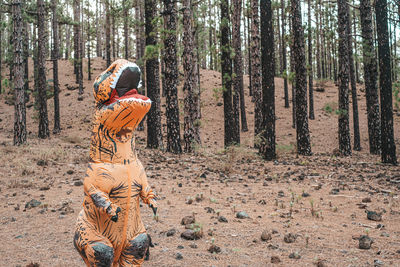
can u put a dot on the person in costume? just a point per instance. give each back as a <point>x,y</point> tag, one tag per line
<point>109,229</point>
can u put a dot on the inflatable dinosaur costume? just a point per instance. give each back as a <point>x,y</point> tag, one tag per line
<point>109,230</point>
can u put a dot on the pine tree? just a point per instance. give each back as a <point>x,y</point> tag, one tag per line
<point>171,78</point>
<point>54,55</point>
<point>108,32</point>
<point>344,129</point>
<point>302,132</point>
<point>267,146</point>
<point>41,72</point>
<point>370,78</point>
<point>256,68</point>
<point>154,136</point>
<point>385,83</point>
<point>310,65</point>
<point>226,72</point>
<point>190,87</point>
<point>238,61</point>
<point>18,70</point>
<point>356,127</point>
<point>283,51</point>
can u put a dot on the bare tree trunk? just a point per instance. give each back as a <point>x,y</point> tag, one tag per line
<point>125,13</point>
<point>238,61</point>
<point>310,64</point>
<point>267,146</point>
<point>191,123</point>
<point>356,127</point>
<point>171,79</point>
<point>76,7</point>
<point>226,71</point>
<point>42,86</point>
<point>57,127</point>
<point>154,135</point>
<point>256,70</point>
<point>385,82</point>
<point>302,132</point>
<point>18,70</point>
<point>370,78</point>
<point>108,46</point>
<point>344,129</point>
<point>284,60</point>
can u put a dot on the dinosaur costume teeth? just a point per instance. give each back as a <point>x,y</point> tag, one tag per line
<point>109,230</point>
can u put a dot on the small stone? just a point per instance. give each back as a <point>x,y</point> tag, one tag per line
<point>398,251</point>
<point>70,172</point>
<point>281,194</point>
<point>384,234</point>
<point>44,188</point>
<point>378,263</point>
<point>180,185</point>
<point>294,255</point>
<point>374,216</point>
<point>242,215</point>
<point>69,192</point>
<point>380,226</point>
<point>305,194</point>
<point>270,246</point>
<point>178,256</point>
<point>209,210</point>
<point>180,247</point>
<point>203,175</point>
<point>78,183</point>
<point>80,98</point>
<point>171,232</point>
<point>266,236</point>
<point>364,242</point>
<point>366,200</point>
<point>290,238</point>
<point>334,191</point>
<point>321,263</point>
<point>41,162</point>
<point>275,259</point>
<point>193,245</point>
<point>189,200</point>
<point>32,204</point>
<point>222,219</point>
<point>188,220</point>
<point>190,234</point>
<point>214,249</point>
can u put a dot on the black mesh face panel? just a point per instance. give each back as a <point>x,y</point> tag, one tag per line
<point>129,79</point>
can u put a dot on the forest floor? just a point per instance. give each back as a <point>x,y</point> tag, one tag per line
<point>312,210</point>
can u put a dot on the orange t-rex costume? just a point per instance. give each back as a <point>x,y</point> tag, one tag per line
<point>109,230</point>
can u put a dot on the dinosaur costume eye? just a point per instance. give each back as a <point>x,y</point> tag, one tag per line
<point>119,78</point>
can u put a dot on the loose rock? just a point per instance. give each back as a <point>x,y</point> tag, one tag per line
<point>171,232</point>
<point>294,255</point>
<point>365,242</point>
<point>188,220</point>
<point>242,215</point>
<point>289,238</point>
<point>275,259</point>
<point>32,204</point>
<point>266,236</point>
<point>178,256</point>
<point>214,249</point>
<point>191,234</point>
<point>222,219</point>
<point>374,216</point>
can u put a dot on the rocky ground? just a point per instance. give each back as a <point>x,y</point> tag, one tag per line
<point>322,210</point>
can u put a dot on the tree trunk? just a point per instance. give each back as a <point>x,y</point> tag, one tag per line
<point>284,60</point>
<point>190,87</point>
<point>42,85</point>
<point>344,131</point>
<point>310,65</point>
<point>385,83</point>
<point>67,42</point>
<point>26,59</point>
<point>267,146</point>
<point>318,35</point>
<point>125,11</point>
<point>76,7</point>
<point>108,45</point>
<point>356,127</point>
<point>57,127</point>
<point>256,71</point>
<point>226,71</point>
<point>171,79</point>
<point>370,78</point>
<point>302,132</point>
<point>154,135</point>
<point>238,61</point>
<point>18,70</point>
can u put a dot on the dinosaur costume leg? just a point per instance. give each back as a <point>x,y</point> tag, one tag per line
<point>109,230</point>
<point>95,249</point>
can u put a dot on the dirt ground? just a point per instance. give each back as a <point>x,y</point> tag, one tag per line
<point>310,211</point>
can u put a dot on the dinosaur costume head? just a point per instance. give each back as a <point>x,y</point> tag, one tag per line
<point>119,108</point>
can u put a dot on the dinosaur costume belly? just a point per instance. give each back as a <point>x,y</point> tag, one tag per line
<point>109,230</point>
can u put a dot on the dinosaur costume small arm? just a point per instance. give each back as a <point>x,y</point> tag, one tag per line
<point>109,229</point>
